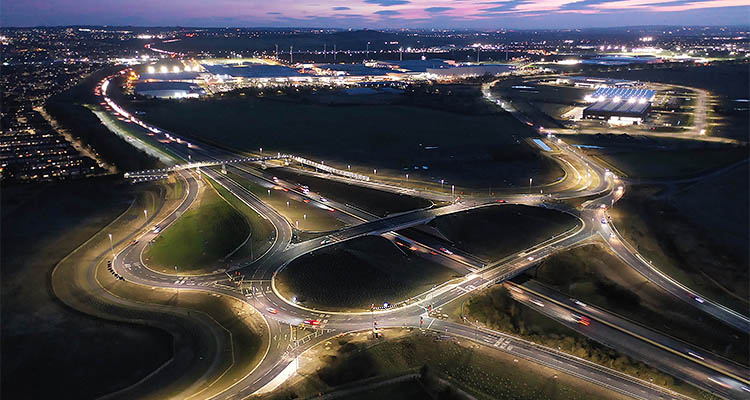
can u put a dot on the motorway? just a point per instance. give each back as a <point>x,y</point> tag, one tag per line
<point>583,179</point>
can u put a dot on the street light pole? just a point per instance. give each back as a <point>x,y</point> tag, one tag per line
<point>111,246</point>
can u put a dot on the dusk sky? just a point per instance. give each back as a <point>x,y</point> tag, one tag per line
<point>377,13</point>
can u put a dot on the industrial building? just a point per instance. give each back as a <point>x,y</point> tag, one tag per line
<point>462,71</point>
<point>619,105</point>
<point>169,90</point>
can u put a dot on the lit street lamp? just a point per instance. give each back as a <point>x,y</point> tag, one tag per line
<point>145,213</point>
<point>111,247</point>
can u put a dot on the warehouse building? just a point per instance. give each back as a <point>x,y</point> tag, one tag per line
<point>619,105</point>
<point>169,90</point>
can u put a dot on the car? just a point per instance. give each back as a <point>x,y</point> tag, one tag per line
<point>583,320</point>
<point>433,253</point>
<point>324,200</point>
<point>536,302</point>
<point>603,206</point>
<point>157,229</point>
<point>325,241</point>
<point>446,251</point>
<point>134,242</point>
<point>275,179</point>
<point>530,258</point>
<point>272,310</point>
<point>579,303</point>
<point>516,289</point>
<point>314,322</point>
<point>698,299</point>
<point>604,221</point>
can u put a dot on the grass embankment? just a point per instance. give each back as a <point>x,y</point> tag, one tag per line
<point>374,201</point>
<point>465,149</point>
<point>495,232</point>
<point>596,277</point>
<point>303,216</point>
<point>697,234</point>
<point>496,309</point>
<point>197,321</point>
<point>261,230</point>
<point>358,273</point>
<point>477,370</point>
<point>42,337</point>
<point>200,239</point>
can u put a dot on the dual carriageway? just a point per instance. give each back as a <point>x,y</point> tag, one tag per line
<point>584,178</point>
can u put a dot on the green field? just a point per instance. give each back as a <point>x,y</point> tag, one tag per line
<point>468,150</point>
<point>201,238</point>
<point>495,308</point>
<point>596,277</point>
<point>358,273</point>
<point>376,202</point>
<point>494,232</point>
<point>477,370</point>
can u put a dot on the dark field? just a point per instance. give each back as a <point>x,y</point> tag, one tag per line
<point>468,150</point>
<point>49,349</point>
<point>358,273</point>
<point>495,232</point>
<point>695,232</point>
<point>641,157</point>
<point>596,277</point>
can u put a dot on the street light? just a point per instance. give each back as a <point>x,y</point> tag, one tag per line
<point>145,213</point>
<point>530,180</point>
<point>407,177</point>
<point>111,247</point>
<point>441,184</point>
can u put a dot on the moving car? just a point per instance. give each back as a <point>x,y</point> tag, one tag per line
<point>583,320</point>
